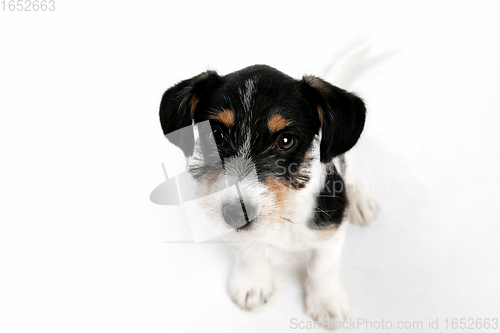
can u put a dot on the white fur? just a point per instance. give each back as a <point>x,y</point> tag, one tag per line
<point>271,241</point>
<point>247,94</point>
<point>326,299</point>
<point>363,206</point>
<point>274,239</point>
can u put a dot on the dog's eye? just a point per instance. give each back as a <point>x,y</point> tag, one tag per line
<point>218,135</point>
<point>286,141</point>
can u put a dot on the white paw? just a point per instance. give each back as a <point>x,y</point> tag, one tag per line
<point>363,206</point>
<point>250,291</point>
<point>330,309</point>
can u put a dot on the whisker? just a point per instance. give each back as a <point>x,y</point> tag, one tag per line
<point>288,220</point>
<point>323,211</point>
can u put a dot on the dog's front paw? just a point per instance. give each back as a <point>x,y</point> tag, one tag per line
<point>250,290</point>
<point>330,309</point>
<point>363,206</point>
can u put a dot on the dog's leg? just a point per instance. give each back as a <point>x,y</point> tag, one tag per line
<point>251,281</point>
<point>363,206</point>
<point>325,298</point>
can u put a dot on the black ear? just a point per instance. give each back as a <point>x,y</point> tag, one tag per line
<point>341,114</point>
<point>178,106</point>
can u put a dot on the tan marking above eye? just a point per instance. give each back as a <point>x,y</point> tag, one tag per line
<point>277,123</point>
<point>226,117</point>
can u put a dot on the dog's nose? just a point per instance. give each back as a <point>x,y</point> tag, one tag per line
<point>238,214</point>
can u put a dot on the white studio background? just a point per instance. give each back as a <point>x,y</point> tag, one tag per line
<point>82,249</point>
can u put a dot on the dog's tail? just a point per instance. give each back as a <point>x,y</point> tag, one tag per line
<point>340,70</point>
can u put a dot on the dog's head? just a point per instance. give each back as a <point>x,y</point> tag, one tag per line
<point>270,132</point>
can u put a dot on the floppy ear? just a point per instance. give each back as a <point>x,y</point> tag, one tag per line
<point>341,114</point>
<point>178,106</point>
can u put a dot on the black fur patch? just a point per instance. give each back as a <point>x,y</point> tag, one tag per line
<point>254,95</point>
<point>331,203</point>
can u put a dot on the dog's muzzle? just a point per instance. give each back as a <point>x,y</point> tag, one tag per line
<point>238,214</point>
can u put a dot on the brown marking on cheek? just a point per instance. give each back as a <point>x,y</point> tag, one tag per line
<point>278,187</point>
<point>205,204</point>
<point>226,117</point>
<point>194,102</point>
<point>207,182</point>
<point>211,178</point>
<point>277,123</point>
<point>325,234</point>
<point>282,192</point>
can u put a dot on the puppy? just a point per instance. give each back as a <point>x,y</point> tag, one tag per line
<point>282,142</point>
